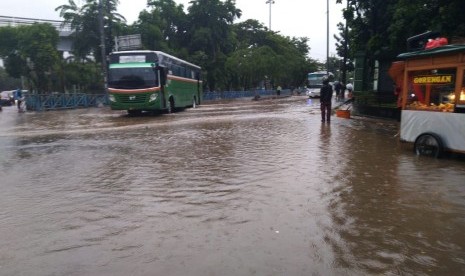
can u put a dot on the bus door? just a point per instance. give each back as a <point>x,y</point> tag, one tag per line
<point>161,76</point>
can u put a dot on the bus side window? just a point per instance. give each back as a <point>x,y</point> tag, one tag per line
<point>183,72</point>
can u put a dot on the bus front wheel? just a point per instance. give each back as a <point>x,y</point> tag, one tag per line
<point>429,144</point>
<point>171,107</point>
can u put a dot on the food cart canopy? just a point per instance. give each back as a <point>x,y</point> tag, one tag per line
<point>434,51</point>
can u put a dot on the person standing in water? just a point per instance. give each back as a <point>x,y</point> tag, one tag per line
<point>326,94</point>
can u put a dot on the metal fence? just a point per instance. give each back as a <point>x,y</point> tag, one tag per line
<point>376,105</point>
<point>36,102</point>
<point>215,95</point>
<point>44,102</point>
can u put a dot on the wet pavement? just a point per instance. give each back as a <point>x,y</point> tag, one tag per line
<point>231,188</point>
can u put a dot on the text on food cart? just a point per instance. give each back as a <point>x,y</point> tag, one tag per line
<point>436,79</point>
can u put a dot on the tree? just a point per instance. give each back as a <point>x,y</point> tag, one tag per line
<point>7,82</point>
<point>82,76</point>
<point>164,27</point>
<point>84,23</point>
<point>413,17</point>
<point>261,54</point>
<point>210,32</point>
<point>30,51</point>
<point>206,36</point>
<point>379,29</point>
<point>248,67</point>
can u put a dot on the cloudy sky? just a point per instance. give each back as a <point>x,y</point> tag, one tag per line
<point>295,18</point>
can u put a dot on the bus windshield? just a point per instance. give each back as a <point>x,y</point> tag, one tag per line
<point>315,80</point>
<point>132,78</point>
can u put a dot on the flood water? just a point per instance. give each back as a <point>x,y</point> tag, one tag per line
<point>233,188</point>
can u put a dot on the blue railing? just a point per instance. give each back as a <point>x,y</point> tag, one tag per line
<point>42,102</point>
<point>242,94</point>
<point>62,101</point>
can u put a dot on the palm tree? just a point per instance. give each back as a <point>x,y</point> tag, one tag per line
<point>84,23</point>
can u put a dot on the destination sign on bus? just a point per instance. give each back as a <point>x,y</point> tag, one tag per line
<point>132,59</point>
<point>435,79</point>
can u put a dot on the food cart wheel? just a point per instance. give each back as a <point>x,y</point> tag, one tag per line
<point>429,144</point>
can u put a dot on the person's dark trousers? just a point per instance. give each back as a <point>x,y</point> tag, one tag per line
<point>325,111</point>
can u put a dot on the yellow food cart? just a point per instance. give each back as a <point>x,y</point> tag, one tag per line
<point>432,99</point>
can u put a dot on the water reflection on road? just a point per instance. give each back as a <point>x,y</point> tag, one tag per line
<point>236,188</point>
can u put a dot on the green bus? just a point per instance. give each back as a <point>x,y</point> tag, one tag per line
<point>152,81</point>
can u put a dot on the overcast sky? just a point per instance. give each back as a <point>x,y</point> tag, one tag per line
<point>295,18</point>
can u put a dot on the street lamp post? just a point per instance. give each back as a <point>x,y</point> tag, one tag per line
<point>270,2</point>
<point>327,36</point>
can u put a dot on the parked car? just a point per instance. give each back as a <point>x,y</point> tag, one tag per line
<point>6,98</point>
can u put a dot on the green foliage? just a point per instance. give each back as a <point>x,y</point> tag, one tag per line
<point>162,27</point>
<point>206,36</point>
<point>233,56</point>
<point>210,31</point>
<point>81,77</point>
<point>30,51</point>
<point>84,21</point>
<point>8,40</point>
<point>380,28</point>
<point>7,82</point>
<point>412,17</point>
<point>261,54</point>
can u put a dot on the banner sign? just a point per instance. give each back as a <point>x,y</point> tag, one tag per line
<point>128,42</point>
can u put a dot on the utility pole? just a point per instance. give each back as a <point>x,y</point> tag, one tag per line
<point>346,50</point>
<point>270,2</point>
<point>102,44</point>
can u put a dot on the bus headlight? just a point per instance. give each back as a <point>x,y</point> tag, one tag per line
<point>153,97</point>
<point>111,98</point>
